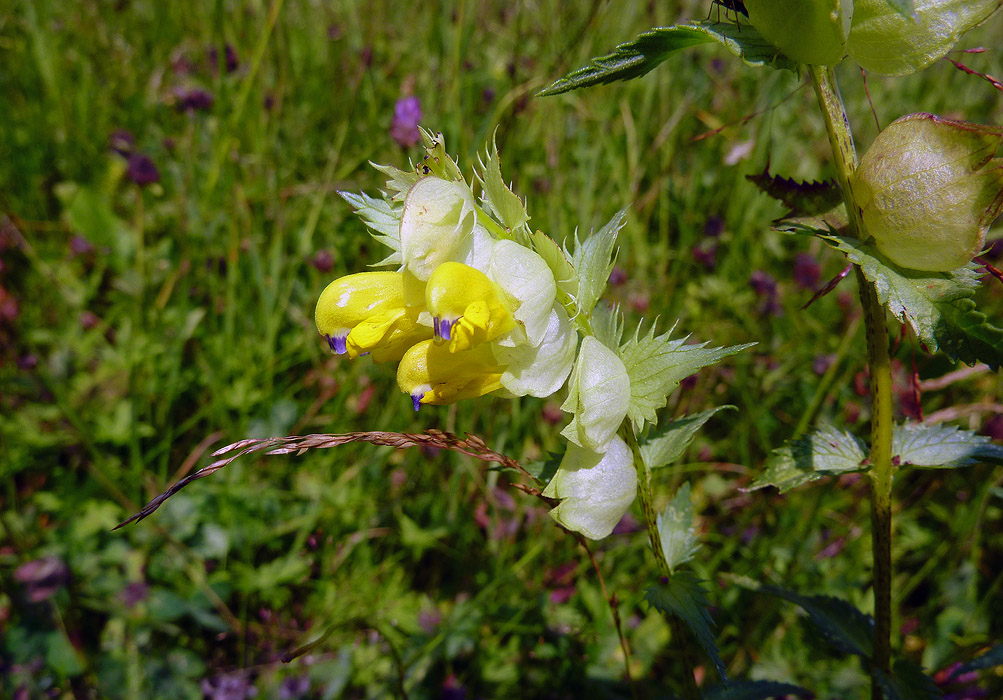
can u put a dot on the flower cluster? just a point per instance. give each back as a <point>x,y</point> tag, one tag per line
<point>479,304</point>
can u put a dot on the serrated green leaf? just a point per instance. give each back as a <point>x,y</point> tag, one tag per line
<point>672,439</point>
<point>825,452</point>
<point>607,325</point>
<point>907,682</point>
<point>942,447</point>
<point>638,57</point>
<point>802,198</point>
<point>753,690</point>
<point>843,627</point>
<point>543,470</point>
<point>938,306</point>
<point>676,530</point>
<point>559,262</point>
<point>501,202</point>
<point>383,219</point>
<point>593,259</point>
<point>656,365</point>
<point>993,657</point>
<point>399,181</point>
<point>685,597</point>
<point>903,7</point>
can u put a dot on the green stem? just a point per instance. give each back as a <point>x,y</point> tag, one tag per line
<point>676,626</point>
<point>881,471</point>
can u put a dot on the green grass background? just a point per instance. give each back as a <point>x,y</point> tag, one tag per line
<point>189,325</point>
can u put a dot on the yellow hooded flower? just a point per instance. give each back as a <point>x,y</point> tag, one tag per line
<point>466,306</point>
<point>365,312</point>
<point>432,374</point>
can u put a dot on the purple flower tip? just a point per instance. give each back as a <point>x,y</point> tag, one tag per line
<point>443,328</point>
<point>141,169</point>
<point>416,400</point>
<point>194,100</point>
<point>337,343</point>
<point>404,128</point>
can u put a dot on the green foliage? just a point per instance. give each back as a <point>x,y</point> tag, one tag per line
<point>676,529</point>
<point>671,439</point>
<point>685,597</point>
<point>640,56</point>
<point>499,200</point>
<point>593,261</point>
<point>937,306</point>
<point>942,447</point>
<point>907,682</point>
<point>826,452</point>
<point>656,365</point>
<point>906,8</point>
<point>844,628</point>
<point>384,220</point>
<point>753,690</point>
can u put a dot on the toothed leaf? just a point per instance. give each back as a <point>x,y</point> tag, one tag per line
<point>668,444</point>
<point>501,202</point>
<point>937,305</point>
<point>676,529</point>
<point>684,596</point>
<point>382,218</point>
<point>825,452</point>
<point>656,365</point>
<point>843,627</point>
<point>593,259</point>
<point>802,198</point>
<point>638,57</point>
<point>907,682</point>
<point>942,446</point>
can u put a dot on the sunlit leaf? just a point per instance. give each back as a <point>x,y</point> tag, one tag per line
<point>937,305</point>
<point>499,200</point>
<point>826,452</point>
<point>656,366</point>
<point>672,438</point>
<point>593,259</point>
<point>942,446</point>
<point>676,529</point>
<point>382,218</point>
<point>638,57</point>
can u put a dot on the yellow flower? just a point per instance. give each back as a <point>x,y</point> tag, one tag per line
<point>466,307</point>
<point>365,312</point>
<point>432,374</point>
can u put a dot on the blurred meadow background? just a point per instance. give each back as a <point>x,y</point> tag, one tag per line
<point>168,217</point>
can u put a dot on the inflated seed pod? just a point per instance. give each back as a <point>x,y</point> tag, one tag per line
<point>928,188</point>
<point>808,31</point>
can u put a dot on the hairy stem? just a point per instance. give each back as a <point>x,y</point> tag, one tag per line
<point>676,626</point>
<point>881,471</point>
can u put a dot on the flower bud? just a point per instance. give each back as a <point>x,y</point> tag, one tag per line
<point>596,489</point>
<point>928,188</point>
<point>437,219</point>
<point>807,31</point>
<point>598,397</point>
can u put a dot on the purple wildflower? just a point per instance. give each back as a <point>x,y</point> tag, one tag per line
<point>194,100</point>
<point>294,687</point>
<point>821,364</point>
<point>714,226</point>
<point>121,141</point>
<point>133,593</point>
<point>323,261</point>
<point>407,114</point>
<point>231,686</point>
<point>765,287</point>
<point>806,271</point>
<point>229,56</point>
<point>706,254</point>
<point>617,277</point>
<point>80,246</point>
<point>42,577</point>
<point>141,169</point>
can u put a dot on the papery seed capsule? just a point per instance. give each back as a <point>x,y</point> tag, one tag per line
<point>808,31</point>
<point>928,188</point>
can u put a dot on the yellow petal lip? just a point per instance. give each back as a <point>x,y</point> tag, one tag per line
<point>467,307</point>
<point>431,374</point>
<point>366,312</point>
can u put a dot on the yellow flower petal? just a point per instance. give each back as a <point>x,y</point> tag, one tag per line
<point>432,374</point>
<point>466,306</point>
<point>366,312</point>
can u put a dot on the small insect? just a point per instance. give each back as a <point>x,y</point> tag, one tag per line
<point>736,6</point>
